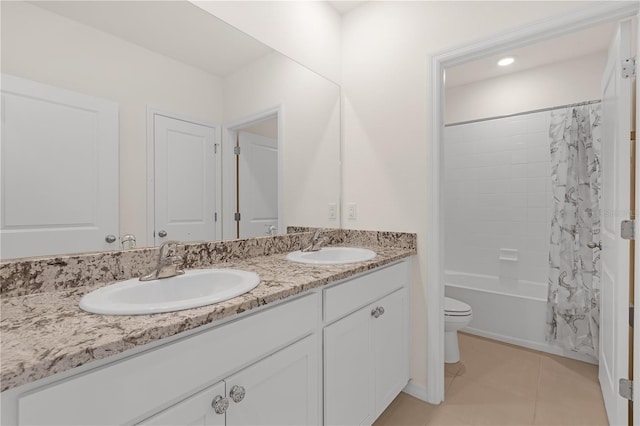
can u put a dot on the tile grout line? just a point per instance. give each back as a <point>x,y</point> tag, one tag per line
<point>535,405</point>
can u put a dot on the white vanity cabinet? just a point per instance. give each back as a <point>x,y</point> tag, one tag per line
<point>264,367</point>
<point>281,389</point>
<point>366,357</point>
<point>266,352</point>
<point>196,410</point>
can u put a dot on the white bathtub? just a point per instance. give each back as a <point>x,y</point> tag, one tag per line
<point>510,311</point>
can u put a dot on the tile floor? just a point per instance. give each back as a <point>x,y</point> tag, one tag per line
<point>500,384</point>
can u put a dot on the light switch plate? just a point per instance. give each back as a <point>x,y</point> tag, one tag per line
<point>333,211</point>
<point>352,211</point>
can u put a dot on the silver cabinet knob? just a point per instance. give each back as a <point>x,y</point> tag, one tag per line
<point>162,233</point>
<point>110,239</point>
<point>377,311</point>
<point>237,393</point>
<point>593,245</point>
<point>220,404</point>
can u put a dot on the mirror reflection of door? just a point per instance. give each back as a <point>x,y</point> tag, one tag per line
<point>185,163</point>
<point>257,179</point>
<point>59,173</point>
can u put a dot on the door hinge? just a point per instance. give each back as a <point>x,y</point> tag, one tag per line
<point>215,148</point>
<point>215,216</point>
<point>625,389</point>
<point>631,314</point>
<point>629,67</point>
<point>628,229</point>
<point>236,150</point>
<point>236,217</point>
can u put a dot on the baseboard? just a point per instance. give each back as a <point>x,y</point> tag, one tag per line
<point>416,390</point>
<point>530,345</point>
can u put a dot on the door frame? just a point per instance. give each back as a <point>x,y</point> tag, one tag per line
<point>229,131</point>
<point>636,296</point>
<point>151,168</point>
<point>437,62</point>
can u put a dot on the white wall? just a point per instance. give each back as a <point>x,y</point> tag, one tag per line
<point>45,47</point>
<point>385,114</point>
<point>306,31</point>
<point>310,135</point>
<point>497,195</point>
<point>561,83</point>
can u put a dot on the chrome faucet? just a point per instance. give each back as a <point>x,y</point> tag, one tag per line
<point>315,242</point>
<point>168,263</point>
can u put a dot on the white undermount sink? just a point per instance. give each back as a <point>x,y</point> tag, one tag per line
<point>195,288</point>
<point>332,255</point>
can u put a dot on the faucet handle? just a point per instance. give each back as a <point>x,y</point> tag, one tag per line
<point>315,242</point>
<point>169,246</point>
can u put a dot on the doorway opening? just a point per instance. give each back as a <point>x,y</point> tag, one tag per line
<point>253,176</point>
<point>436,246</point>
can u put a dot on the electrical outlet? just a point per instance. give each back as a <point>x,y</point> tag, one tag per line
<point>352,211</point>
<point>333,211</point>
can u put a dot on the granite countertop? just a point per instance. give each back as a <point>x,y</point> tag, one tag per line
<point>47,333</point>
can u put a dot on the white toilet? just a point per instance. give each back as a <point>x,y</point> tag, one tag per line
<point>457,314</point>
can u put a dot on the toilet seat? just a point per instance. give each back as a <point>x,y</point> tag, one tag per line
<point>456,308</point>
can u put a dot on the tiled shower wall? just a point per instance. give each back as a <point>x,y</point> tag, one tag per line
<point>497,196</point>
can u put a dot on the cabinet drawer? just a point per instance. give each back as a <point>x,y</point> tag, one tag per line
<point>343,298</point>
<point>135,387</point>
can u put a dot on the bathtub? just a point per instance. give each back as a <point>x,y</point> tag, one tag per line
<point>511,311</point>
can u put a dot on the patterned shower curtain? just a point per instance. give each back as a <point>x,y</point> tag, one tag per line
<point>573,309</point>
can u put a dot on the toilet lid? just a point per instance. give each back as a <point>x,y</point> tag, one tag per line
<point>456,307</point>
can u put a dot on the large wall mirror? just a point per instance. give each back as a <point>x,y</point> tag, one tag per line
<point>135,122</point>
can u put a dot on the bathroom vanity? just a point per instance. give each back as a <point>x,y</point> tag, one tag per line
<point>323,344</point>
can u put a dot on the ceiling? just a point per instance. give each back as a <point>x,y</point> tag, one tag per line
<point>573,45</point>
<point>177,29</point>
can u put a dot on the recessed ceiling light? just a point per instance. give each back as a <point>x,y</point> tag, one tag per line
<point>506,61</point>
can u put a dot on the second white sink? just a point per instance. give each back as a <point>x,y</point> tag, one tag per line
<point>332,255</point>
<point>195,288</point>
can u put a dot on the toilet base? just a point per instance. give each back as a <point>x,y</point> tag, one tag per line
<point>451,348</point>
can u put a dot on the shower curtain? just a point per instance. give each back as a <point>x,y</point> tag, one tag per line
<point>573,308</point>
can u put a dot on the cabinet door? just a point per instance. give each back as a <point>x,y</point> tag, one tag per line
<point>390,349</point>
<point>282,389</point>
<point>196,410</point>
<point>348,382</point>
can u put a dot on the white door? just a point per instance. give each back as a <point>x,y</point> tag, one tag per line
<point>391,355</point>
<point>636,320</point>
<point>196,410</point>
<point>59,170</point>
<point>281,389</point>
<point>614,293</point>
<point>348,382</point>
<point>184,180</point>
<point>257,185</point>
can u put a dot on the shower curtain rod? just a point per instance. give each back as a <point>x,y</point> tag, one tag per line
<point>595,101</point>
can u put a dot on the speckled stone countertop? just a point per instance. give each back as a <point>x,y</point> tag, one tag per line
<point>44,332</point>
